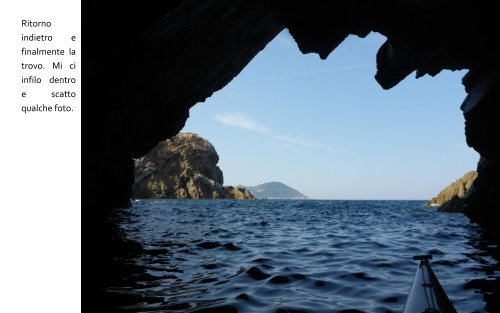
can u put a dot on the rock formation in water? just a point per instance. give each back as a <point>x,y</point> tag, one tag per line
<point>183,167</point>
<point>237,192</point>
<point>451,198</point>
<point>275,190</point>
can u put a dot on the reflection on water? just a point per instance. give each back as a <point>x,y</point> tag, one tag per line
<point>487,257</point>
<point>295,256</point>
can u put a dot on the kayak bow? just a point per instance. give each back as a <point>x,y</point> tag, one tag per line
<point>426,294</point>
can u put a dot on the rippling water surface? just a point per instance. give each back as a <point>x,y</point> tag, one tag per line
<point>296,256</point>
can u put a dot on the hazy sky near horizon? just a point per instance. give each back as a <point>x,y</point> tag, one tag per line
<point>327,129</point>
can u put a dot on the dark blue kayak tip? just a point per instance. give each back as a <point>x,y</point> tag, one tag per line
<point>422,257</point>
<point>426,294</point>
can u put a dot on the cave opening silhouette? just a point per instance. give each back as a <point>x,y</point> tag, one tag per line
<point>145,66</point>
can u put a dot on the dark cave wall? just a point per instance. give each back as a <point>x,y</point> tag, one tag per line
<point>145,65</point>
<point>482,129</point>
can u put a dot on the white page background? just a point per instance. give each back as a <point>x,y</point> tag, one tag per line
<point>40,176</point>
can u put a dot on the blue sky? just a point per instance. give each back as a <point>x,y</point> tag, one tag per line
<point>326,128</point>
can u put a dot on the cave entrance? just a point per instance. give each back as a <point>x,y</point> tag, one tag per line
<point>328,129</point>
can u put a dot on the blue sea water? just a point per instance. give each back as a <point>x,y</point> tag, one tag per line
<point>297,256</point>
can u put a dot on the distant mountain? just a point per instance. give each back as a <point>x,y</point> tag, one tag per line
<point>275,190</point>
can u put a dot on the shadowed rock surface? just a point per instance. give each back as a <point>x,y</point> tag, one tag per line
<point>451,198</point>
<point>275,190</point>
<point>183,167</point>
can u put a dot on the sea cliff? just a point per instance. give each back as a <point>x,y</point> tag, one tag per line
<point>451,198</point>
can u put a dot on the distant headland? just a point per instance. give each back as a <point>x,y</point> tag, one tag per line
<point>275,190</point>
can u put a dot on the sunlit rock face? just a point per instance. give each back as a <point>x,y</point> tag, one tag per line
<point>145,65</point>
<point>452,198</point>
<point>183,167</point>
